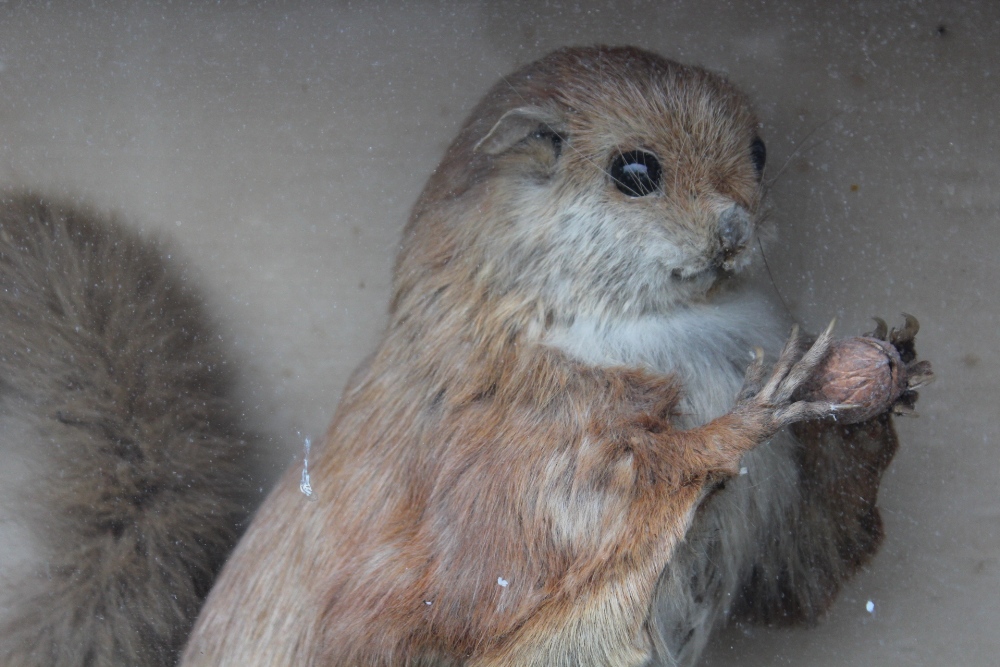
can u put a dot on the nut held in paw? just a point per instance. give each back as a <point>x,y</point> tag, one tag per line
<point>864,372</point>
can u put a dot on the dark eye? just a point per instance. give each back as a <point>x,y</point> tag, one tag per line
<point>758,155</point>
<point>636,173</point>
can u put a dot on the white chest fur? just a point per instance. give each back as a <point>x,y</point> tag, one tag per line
<point>706,346</point>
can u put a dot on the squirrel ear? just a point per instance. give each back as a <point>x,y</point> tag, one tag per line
<point>515,125</point>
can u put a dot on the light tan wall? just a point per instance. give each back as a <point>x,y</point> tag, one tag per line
<point>280,148</point>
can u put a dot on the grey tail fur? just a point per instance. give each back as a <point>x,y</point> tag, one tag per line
<point>113,389</point>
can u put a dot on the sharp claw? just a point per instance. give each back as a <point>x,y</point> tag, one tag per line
<point>785,364</point>
<point>909,331</point>
<point>904,410</point>
<point>788,376</point>
<point>918,374</point>
<point>829,329</point>
<point>881,329</point>
<point>794,412</point>
<point>905,334</point>
<point>819,349</point>
<point>792,346</point>
<point>793,337</point>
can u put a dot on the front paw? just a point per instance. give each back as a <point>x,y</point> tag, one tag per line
<point>780,400</point>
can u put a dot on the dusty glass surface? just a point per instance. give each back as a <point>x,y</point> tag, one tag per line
<point>280,147</point>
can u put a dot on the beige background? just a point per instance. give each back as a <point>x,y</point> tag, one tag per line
<point>280,145</point>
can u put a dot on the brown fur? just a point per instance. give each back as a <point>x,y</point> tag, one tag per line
<point>485,496</point>
<point>116,397</point>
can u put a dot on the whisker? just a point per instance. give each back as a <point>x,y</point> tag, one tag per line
<point>802,147</point>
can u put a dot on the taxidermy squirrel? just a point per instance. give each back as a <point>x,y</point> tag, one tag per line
<point>557,454</point>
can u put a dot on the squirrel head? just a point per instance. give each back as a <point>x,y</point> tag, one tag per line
<point>599,181</point>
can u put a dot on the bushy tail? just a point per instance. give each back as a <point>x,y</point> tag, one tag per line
<point>113,389</point>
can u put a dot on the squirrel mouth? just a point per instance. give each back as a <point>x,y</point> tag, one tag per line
<point>707,277</point>
<point>725,263</point>
<point>706,274</point>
